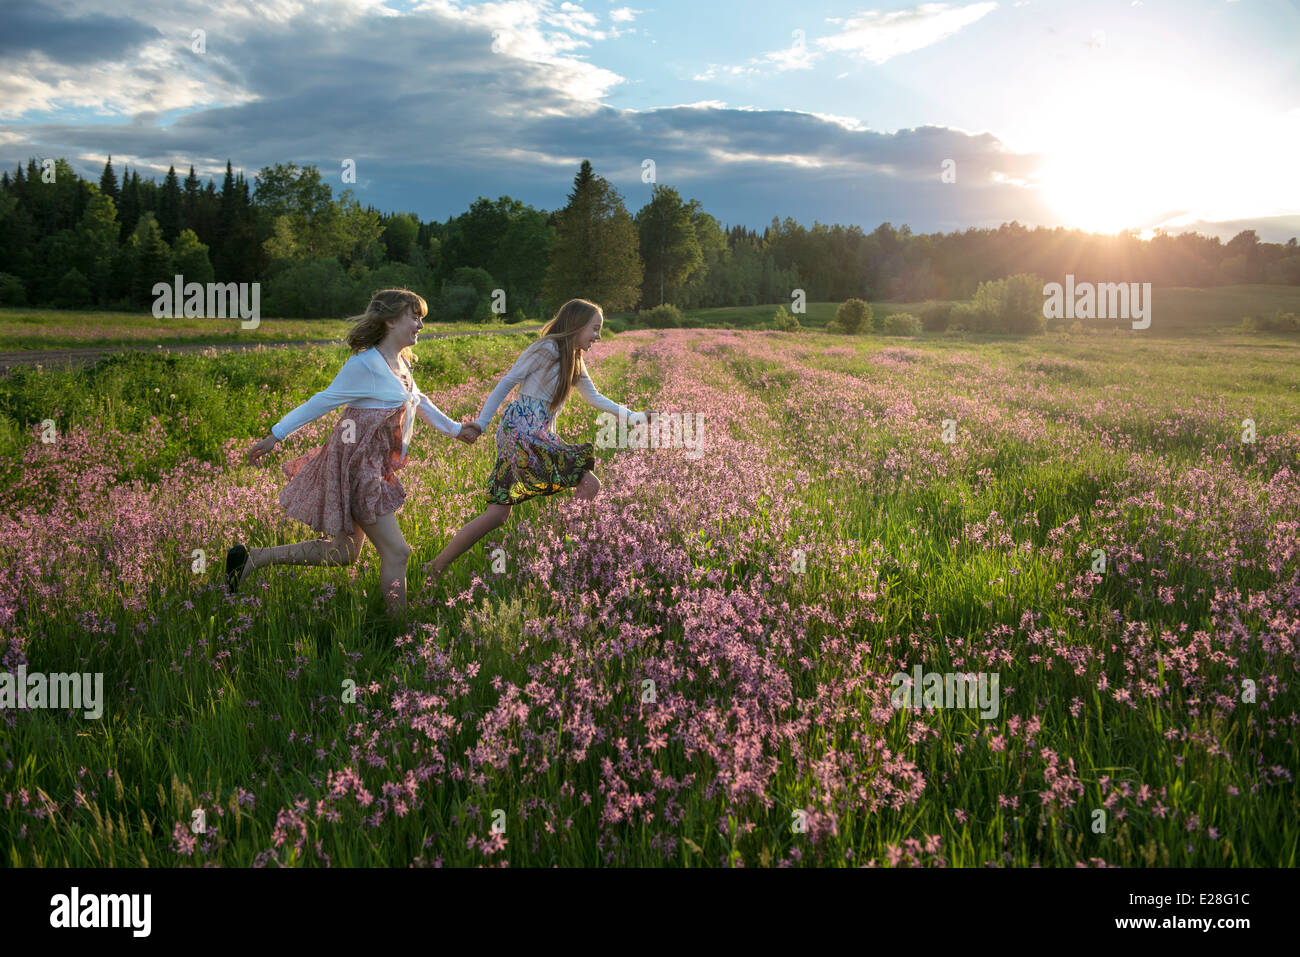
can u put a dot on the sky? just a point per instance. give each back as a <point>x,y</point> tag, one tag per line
<point>1094,114</point>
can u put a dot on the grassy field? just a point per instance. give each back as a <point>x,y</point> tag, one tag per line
<point>1176,311</point>
<point>697,668</point>
<point>71,329</point>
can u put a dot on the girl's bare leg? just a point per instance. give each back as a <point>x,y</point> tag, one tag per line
<point>394,553</point>
<point>343,549</point>
<point>493,517</point>
<point>588,487</point>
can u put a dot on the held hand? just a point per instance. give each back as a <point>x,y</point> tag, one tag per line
<point>469,432</point>
<point>258,449</point>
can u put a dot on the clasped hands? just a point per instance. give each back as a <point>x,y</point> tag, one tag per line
<point>469,432</point>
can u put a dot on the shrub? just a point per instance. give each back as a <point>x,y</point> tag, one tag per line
<point>666,316</point>
<point>1280,322</point>
<point>852,316</point>
<point>969,318</point>
<point>935,315</point>
<point>785,321</point>
<point>307,289</point>
<point>902,324</point>
<point>73,290</point>
<point>1014,303</point>
<point>12,291</point>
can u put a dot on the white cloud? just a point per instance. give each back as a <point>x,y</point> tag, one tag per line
<point>876,36</point>
<point>879,36</point>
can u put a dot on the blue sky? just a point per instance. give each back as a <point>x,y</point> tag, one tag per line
<point>1105,115</point>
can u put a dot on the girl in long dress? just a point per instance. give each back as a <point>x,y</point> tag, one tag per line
<point>532,461</point>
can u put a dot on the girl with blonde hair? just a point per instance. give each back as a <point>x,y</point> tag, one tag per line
<point>348,489</point>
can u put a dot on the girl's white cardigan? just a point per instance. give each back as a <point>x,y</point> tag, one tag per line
<point>366,382</point>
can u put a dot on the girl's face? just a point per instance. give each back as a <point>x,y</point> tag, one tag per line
<point>403,332</point>
<point>590,333</point>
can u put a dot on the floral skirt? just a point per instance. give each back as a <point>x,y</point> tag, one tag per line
<point>531,459</point>
<point>353,476</point>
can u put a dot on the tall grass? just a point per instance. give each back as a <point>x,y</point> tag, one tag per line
<point>694,670</point>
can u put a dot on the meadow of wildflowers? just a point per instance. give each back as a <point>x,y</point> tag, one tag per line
<point>695,669</point>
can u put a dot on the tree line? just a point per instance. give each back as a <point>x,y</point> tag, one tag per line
<point>72,243</point>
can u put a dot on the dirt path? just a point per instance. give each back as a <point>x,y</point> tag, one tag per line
<point>47,357</point>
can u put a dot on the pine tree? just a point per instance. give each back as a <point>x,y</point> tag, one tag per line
<point>108,183</point>
<point>596,253</point>
<point>151,260</point>
<point>224,252</point>
<point>130,210</point>
<point>169,206</point>
<point>190,205</point>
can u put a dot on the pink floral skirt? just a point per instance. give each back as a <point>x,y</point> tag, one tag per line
<point>352,477</point>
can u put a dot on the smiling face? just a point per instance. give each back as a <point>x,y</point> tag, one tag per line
<point>404,332</point>
<point>590,333</point>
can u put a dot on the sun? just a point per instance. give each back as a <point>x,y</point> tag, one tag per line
<point>1100,192</point>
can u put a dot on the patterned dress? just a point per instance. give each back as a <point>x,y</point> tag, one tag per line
<point>532,461</point>
<point>353,477</point>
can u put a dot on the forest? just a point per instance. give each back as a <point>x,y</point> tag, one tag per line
<point>69,242</point>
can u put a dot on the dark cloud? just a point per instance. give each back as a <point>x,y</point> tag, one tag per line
<point>28,27</point>
<point>433,119</point>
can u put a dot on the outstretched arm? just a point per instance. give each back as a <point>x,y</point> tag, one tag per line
<point>587,389</point>
<point>435,417</point>
<point>354,381</point>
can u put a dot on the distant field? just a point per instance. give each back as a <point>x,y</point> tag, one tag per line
<point>73,328</point>
<point>1176,310</point>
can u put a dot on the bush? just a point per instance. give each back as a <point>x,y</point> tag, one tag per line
<point>666,316</point>
<point>1014,303</point>
<point>614,326</point>
<point>936,315</point>
<point>12,291</point>
<point>1280,322</point>
<point>852,317</point>
<point>969,318</point>
<point>902,324</point>
<point>73,290</point>
<point>784,321</point>
<point>308,289</point>
<point>1076,328</point>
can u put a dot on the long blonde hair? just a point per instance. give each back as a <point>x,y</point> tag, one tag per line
<point>369,328</point>
<point>568,321</point>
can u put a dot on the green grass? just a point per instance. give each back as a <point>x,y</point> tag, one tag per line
<point>72,329</point>
<point>1177,311</point>
<point>188,727</point>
